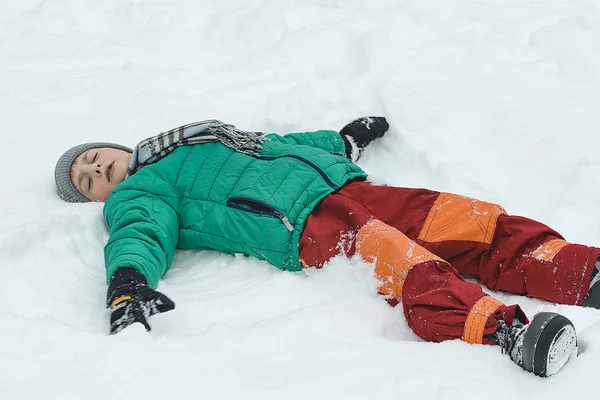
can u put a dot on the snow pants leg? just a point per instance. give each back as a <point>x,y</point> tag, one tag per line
<point>419,240</point>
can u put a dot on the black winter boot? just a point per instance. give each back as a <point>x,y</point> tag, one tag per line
<point>593,297</point>
<point>543,347</point>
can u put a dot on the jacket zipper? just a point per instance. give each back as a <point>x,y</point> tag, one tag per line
<point>310,163</point>
<point>260,208</point>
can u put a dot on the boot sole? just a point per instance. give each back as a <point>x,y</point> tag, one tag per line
<point>548,344</point>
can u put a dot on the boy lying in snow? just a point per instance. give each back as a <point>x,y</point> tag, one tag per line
<point>298,200</point>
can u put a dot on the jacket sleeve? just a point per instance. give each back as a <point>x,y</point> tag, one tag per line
<point>330,141</point>
<point>144,232</point>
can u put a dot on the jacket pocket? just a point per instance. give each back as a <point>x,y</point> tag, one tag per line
<point>260,208</point>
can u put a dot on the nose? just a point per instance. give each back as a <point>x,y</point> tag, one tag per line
<point>95,169</point>
<point>98,169</point>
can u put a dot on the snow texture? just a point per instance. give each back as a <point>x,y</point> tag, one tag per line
<point>494,99</point>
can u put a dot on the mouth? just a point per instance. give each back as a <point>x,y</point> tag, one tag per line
<point>109,170</point>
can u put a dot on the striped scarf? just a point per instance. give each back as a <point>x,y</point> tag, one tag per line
<point>153,149</point>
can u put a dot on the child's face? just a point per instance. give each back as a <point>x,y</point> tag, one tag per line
<point>97,171</point>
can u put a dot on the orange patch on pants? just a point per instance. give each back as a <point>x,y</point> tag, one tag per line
<point>548,250</point>
<point>455,217</point>
<point>477,318</point>
<point>393,253</point>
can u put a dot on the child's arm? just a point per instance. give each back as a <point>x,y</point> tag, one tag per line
<point>349,142</point>
<point>330,141</point>
<point>144,231</point>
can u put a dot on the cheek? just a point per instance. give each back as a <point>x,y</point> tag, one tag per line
<point>101,191</point>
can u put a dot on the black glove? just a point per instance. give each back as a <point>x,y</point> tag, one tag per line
<point>131,300</point>
<point>359,133</point>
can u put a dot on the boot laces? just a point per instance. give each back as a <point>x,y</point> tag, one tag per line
<point>510,340</point>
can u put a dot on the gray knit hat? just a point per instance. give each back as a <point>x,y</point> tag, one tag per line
<point>62,173</point>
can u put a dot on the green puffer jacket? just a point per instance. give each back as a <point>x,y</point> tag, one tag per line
<point>209,196</point>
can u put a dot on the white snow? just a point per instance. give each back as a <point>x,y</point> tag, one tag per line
<point>494,99</point>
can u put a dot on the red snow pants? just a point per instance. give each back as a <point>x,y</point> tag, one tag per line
<point>421,240</point>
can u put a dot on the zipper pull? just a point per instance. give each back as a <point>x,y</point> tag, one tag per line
<point>287,224</point>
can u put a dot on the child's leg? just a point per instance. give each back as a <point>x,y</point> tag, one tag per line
<point>509,253</point>
<point>526,257</point>
<point>438,303</point>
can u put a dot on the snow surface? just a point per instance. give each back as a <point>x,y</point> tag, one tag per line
<point>494,99</point>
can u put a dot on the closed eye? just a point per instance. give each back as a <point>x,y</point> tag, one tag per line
<point>95,157</point>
